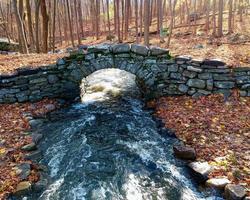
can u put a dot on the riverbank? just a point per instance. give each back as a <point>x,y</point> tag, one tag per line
<point>14,134</point>
<point>217,129</point>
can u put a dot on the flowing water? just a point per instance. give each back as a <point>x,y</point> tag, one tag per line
<point>108,147</point>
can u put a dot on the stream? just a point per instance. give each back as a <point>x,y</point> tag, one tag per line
<point>108,147</point>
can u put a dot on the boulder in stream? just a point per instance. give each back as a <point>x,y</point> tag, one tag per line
<point>183,152</point>
<point>200,171</point>
<point>234,192</point>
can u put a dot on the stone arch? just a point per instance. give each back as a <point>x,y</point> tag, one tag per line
<point>135,59</point>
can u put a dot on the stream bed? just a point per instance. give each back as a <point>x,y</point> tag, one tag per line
<point>108,147</point>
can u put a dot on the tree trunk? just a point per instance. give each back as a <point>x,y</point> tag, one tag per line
<point>70,24</point>
<point>77,22</point>
<point>32,40</point>
<point>146,21</point>
<point>54,25</point>
<point>37,4</point>
<point>45,24</point>
<point>220,19</point>
<point>23,42</point>
<point>107,2</point>
<point>80,18</point>
<point>172,10</point>
<point>230,16</point>
<point>141,18</point>
<point>136,20</point>
<point>214,18</point>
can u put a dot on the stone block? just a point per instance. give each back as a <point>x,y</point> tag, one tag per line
<point>121,48</point>
<point>140,49</point>
<point>156,51</point>
<point>176,76</point>
<point>224,84</point>
<point>194,69</point>
<point>173,68</point>
<point>196,83</point>
<point>213,62</point>
<point>52,79</point>
<point>37,80</point>
<point>189,74</point>
<point>183,88</point>
<point>205,76</point>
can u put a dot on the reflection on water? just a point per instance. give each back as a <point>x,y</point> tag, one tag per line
<point>108,147</point>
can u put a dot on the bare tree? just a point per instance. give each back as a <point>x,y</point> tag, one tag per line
<point>172,11</point>
<point>146,21</point>
<point>230,16</point>
<point>45,24</point>
<point>70,24</point>
<point>220,19</point>
<point>23,43</point>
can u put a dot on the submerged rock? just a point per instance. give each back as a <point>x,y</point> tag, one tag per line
<point>234,192</point>
<point>200,170</point>
<point>184,152</point>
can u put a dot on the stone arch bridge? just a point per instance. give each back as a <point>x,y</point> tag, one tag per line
<point>157,73</point>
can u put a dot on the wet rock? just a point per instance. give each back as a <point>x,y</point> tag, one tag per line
<point>23,170</point>
<point>234,192</point>
<point>36,138</point>
<point>167,132</point>
<point>29,147</point>
<point>41,185</point>
<point>184,152</point>
<point>22,188</point>
<point>200,171</point>
<point>36,155</point>
<point>36,123</point>
<point>218,183</point>
<point>159,123</point>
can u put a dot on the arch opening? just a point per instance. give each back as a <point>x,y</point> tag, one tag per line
<point>109,84</point>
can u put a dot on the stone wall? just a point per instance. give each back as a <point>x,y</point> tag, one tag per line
<point>157,73</point>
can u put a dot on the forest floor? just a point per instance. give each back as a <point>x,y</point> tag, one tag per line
<point>14,129</point>
<point>218,130</point>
